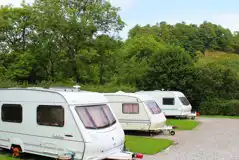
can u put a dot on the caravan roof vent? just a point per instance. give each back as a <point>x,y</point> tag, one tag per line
<point>77,87</point>
<point>120,92</point>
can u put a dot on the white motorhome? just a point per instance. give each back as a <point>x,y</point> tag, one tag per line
<point>172,103</point>
<point>56,123</point>
<point>137,112</point>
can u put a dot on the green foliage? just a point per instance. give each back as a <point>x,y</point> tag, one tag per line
<point>54,39</point>
<point>191,37</point>
<point>169,68</point>
<point>220,107</point>
<point>235,43</point>
<point>108,88</point>
<point>135,57</point>
<point>219,116</point>
<point>213,81</point>
<point>61,43</point>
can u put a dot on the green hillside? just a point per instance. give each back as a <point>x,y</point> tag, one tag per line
<point>228,59</point>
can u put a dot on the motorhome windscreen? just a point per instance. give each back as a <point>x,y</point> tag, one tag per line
<point>153,107</point>
<point>184,101</point>
<point>96,117</point>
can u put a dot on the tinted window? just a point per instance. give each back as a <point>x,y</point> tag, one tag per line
<point>12,113</point>
<point>153,107</point>
<point>130,108</point>
<point>48,115</point>
<point>184,101</point>
<point>95,117</point>
<point>168,101</point>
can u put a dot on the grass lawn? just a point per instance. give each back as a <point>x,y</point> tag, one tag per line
<point>6,157</point>
<point>182,124</point>
<point>219,116</point>
<point>146,145</point>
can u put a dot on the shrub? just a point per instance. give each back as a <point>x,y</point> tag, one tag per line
<point>109,88</point>
<point>220,107</point>
<point>213,81</point>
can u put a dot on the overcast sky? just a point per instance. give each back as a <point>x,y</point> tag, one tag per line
<point>223,12</point>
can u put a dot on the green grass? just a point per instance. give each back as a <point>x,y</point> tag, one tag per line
<point>6,157</point>
<point>182,124</point>
<point>146,145</point>
<point>219,116</point>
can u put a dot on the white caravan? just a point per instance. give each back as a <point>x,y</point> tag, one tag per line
<point>58,123</point>
<point>172,103</point>
<point>137,112</point>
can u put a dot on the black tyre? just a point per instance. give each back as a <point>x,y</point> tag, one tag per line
<point>172,133</point>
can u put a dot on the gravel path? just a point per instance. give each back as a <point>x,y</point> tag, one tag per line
<point>214,139</point>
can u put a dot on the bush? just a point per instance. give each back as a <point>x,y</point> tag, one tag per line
<point>109,88</point>
<point>220,107</point>
<point>213,81</point>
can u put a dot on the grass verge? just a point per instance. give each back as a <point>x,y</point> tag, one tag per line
<point>146,145</point>
<point>6,157</point>
<point>182,124</point>
<point>219,116</point>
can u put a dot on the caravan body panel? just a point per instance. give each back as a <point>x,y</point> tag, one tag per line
<point>138,118</point>
<point>33,133</point>
<point>172,103</point>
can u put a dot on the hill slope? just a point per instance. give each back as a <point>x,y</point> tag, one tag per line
<point>228,59</point>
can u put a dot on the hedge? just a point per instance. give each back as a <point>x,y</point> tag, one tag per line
<point>220,107</point>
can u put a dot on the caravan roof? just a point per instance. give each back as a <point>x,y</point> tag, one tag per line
<point>43,95</point>
<point>140,97</point>
<point>164,93</point>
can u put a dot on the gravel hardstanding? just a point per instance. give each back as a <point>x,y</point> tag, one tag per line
<point>213,139</point>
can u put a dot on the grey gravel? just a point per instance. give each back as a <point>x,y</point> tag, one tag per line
<point>213,139</point>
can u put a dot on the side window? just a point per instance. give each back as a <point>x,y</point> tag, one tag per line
<point>130,108</point>
<point>11,113</point>
<point>168,101</point>
<point>50,115</point>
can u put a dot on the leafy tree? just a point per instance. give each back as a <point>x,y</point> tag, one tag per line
<point>136,55</point>
<point>170,68</point>
<point>75,23</point>
<point>106,50</point>
<point>235,42</point>
<point>15,28</point>
<point>214,81</point>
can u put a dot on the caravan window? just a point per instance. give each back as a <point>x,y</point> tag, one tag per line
<point>153,107</point>
<point>11,113</point>
<point>168,101</point>
<point>184,101</point>
<point>49,115</point>
<point>95,117</point>
<point>130,108</point>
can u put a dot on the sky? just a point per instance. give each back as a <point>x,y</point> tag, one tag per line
<point>143,12</point>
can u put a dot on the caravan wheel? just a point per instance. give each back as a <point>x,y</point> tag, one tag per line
<point>16,150</point>
<point>172,133</point>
